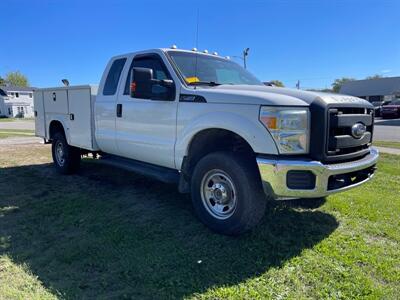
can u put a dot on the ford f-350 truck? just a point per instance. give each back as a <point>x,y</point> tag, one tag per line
<point>203,122</point>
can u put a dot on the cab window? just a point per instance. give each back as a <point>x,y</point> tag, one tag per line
<point>159,72</point>
<point>111,84</point>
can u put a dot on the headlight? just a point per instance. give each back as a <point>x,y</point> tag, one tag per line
<point>289,127</point>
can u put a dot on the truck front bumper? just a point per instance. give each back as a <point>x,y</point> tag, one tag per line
<point>286,178</point>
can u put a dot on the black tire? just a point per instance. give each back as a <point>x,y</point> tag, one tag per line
<point>69,161</point>
<point>250,198</point>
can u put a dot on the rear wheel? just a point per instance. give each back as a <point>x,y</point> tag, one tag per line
<point>227,194</point>
<point>66,158</point>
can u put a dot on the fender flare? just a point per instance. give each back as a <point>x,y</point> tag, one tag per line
<point>60,119</point>
<point>253,132</point>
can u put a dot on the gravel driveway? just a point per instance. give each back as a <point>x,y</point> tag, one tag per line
<point>20,141</point>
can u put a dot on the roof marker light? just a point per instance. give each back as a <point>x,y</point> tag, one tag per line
<point>215,53</point>
<point>228,57</point>
<point>205,51</point>
<point>194,49</point>
<point>174,46</point>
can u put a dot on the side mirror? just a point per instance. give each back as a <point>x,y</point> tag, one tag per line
<point>141,83</point>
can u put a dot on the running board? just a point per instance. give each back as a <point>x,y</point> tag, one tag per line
<point>163,174</point>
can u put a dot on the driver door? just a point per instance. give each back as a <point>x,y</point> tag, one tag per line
<point>146,128</point>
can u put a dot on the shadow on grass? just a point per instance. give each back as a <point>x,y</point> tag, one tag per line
<point>108,233</point>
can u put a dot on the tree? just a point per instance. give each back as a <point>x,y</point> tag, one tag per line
<point>326,90</point>
<point>337,84</point>
<point>376,76</point>
<point>277,83</point>
<point>2,81</point>
<point>17,79</point>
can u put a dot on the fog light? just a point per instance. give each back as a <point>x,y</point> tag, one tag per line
<point>300,180</point>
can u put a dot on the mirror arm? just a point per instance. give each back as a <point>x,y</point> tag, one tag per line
<point>166,82</point>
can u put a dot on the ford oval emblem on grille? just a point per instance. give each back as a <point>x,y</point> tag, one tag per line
<point>358,130</point>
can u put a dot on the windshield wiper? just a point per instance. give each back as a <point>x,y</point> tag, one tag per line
<point>210,83</point>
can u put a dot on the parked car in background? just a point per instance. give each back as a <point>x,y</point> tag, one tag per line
<point>391,109</point>
<point>377,108</point>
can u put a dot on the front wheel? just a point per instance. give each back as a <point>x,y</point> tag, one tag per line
<point>66,158</point>
<point>227,193</point>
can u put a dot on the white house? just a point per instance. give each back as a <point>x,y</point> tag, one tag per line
<point>16,101</point>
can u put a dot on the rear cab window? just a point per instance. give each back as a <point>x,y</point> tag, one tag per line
<point>111,83</point>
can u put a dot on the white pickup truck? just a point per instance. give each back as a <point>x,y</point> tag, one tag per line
<point>203,122</point>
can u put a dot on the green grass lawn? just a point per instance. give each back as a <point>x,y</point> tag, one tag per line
<point>5,133</point>
<point>7,119</point>
<point>15,119</point>
<point>387,144</point>
<point>105,233</point>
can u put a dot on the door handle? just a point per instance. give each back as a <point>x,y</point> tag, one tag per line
<point>71,117</point>
<point>119,110</point>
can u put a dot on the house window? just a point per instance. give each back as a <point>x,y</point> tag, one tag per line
<point>9,111</point>
<point>30,95</point>
<point>16,95</point>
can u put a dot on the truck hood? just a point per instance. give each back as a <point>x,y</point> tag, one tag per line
<point>265,95</point>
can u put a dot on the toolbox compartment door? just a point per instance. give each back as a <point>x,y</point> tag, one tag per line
<point>56,101</point>
<point>80,118</point>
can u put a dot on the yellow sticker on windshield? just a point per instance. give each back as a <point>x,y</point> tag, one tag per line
<point>192,79</point>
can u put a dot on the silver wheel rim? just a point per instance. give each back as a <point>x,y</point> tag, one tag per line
<point>60,153</point>
<point>218,194</point>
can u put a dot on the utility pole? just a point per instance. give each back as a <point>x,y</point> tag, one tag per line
<point>298,84</point>
<point>245,54</point>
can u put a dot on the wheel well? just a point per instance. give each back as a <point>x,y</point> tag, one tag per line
<point>212,140</point>
<point>55,126</point>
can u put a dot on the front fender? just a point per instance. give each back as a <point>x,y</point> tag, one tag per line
<point>249,128</point>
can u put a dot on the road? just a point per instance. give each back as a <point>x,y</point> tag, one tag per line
<point>25,125</point>
<point>387,130</point>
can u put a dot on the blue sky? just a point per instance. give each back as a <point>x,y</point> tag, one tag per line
<point>314,41</point>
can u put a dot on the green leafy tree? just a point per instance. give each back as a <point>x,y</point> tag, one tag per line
<point>2,81</point>
<point>321,90</point>
<point>17,79</point>
<point>337,84</point>
<point>277,83</point>
<point>376,76</point>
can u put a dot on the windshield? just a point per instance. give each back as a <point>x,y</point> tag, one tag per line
<point>215,70</point>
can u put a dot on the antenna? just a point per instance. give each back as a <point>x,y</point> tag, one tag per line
<point>197,44</point>
<point>197,29</point>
